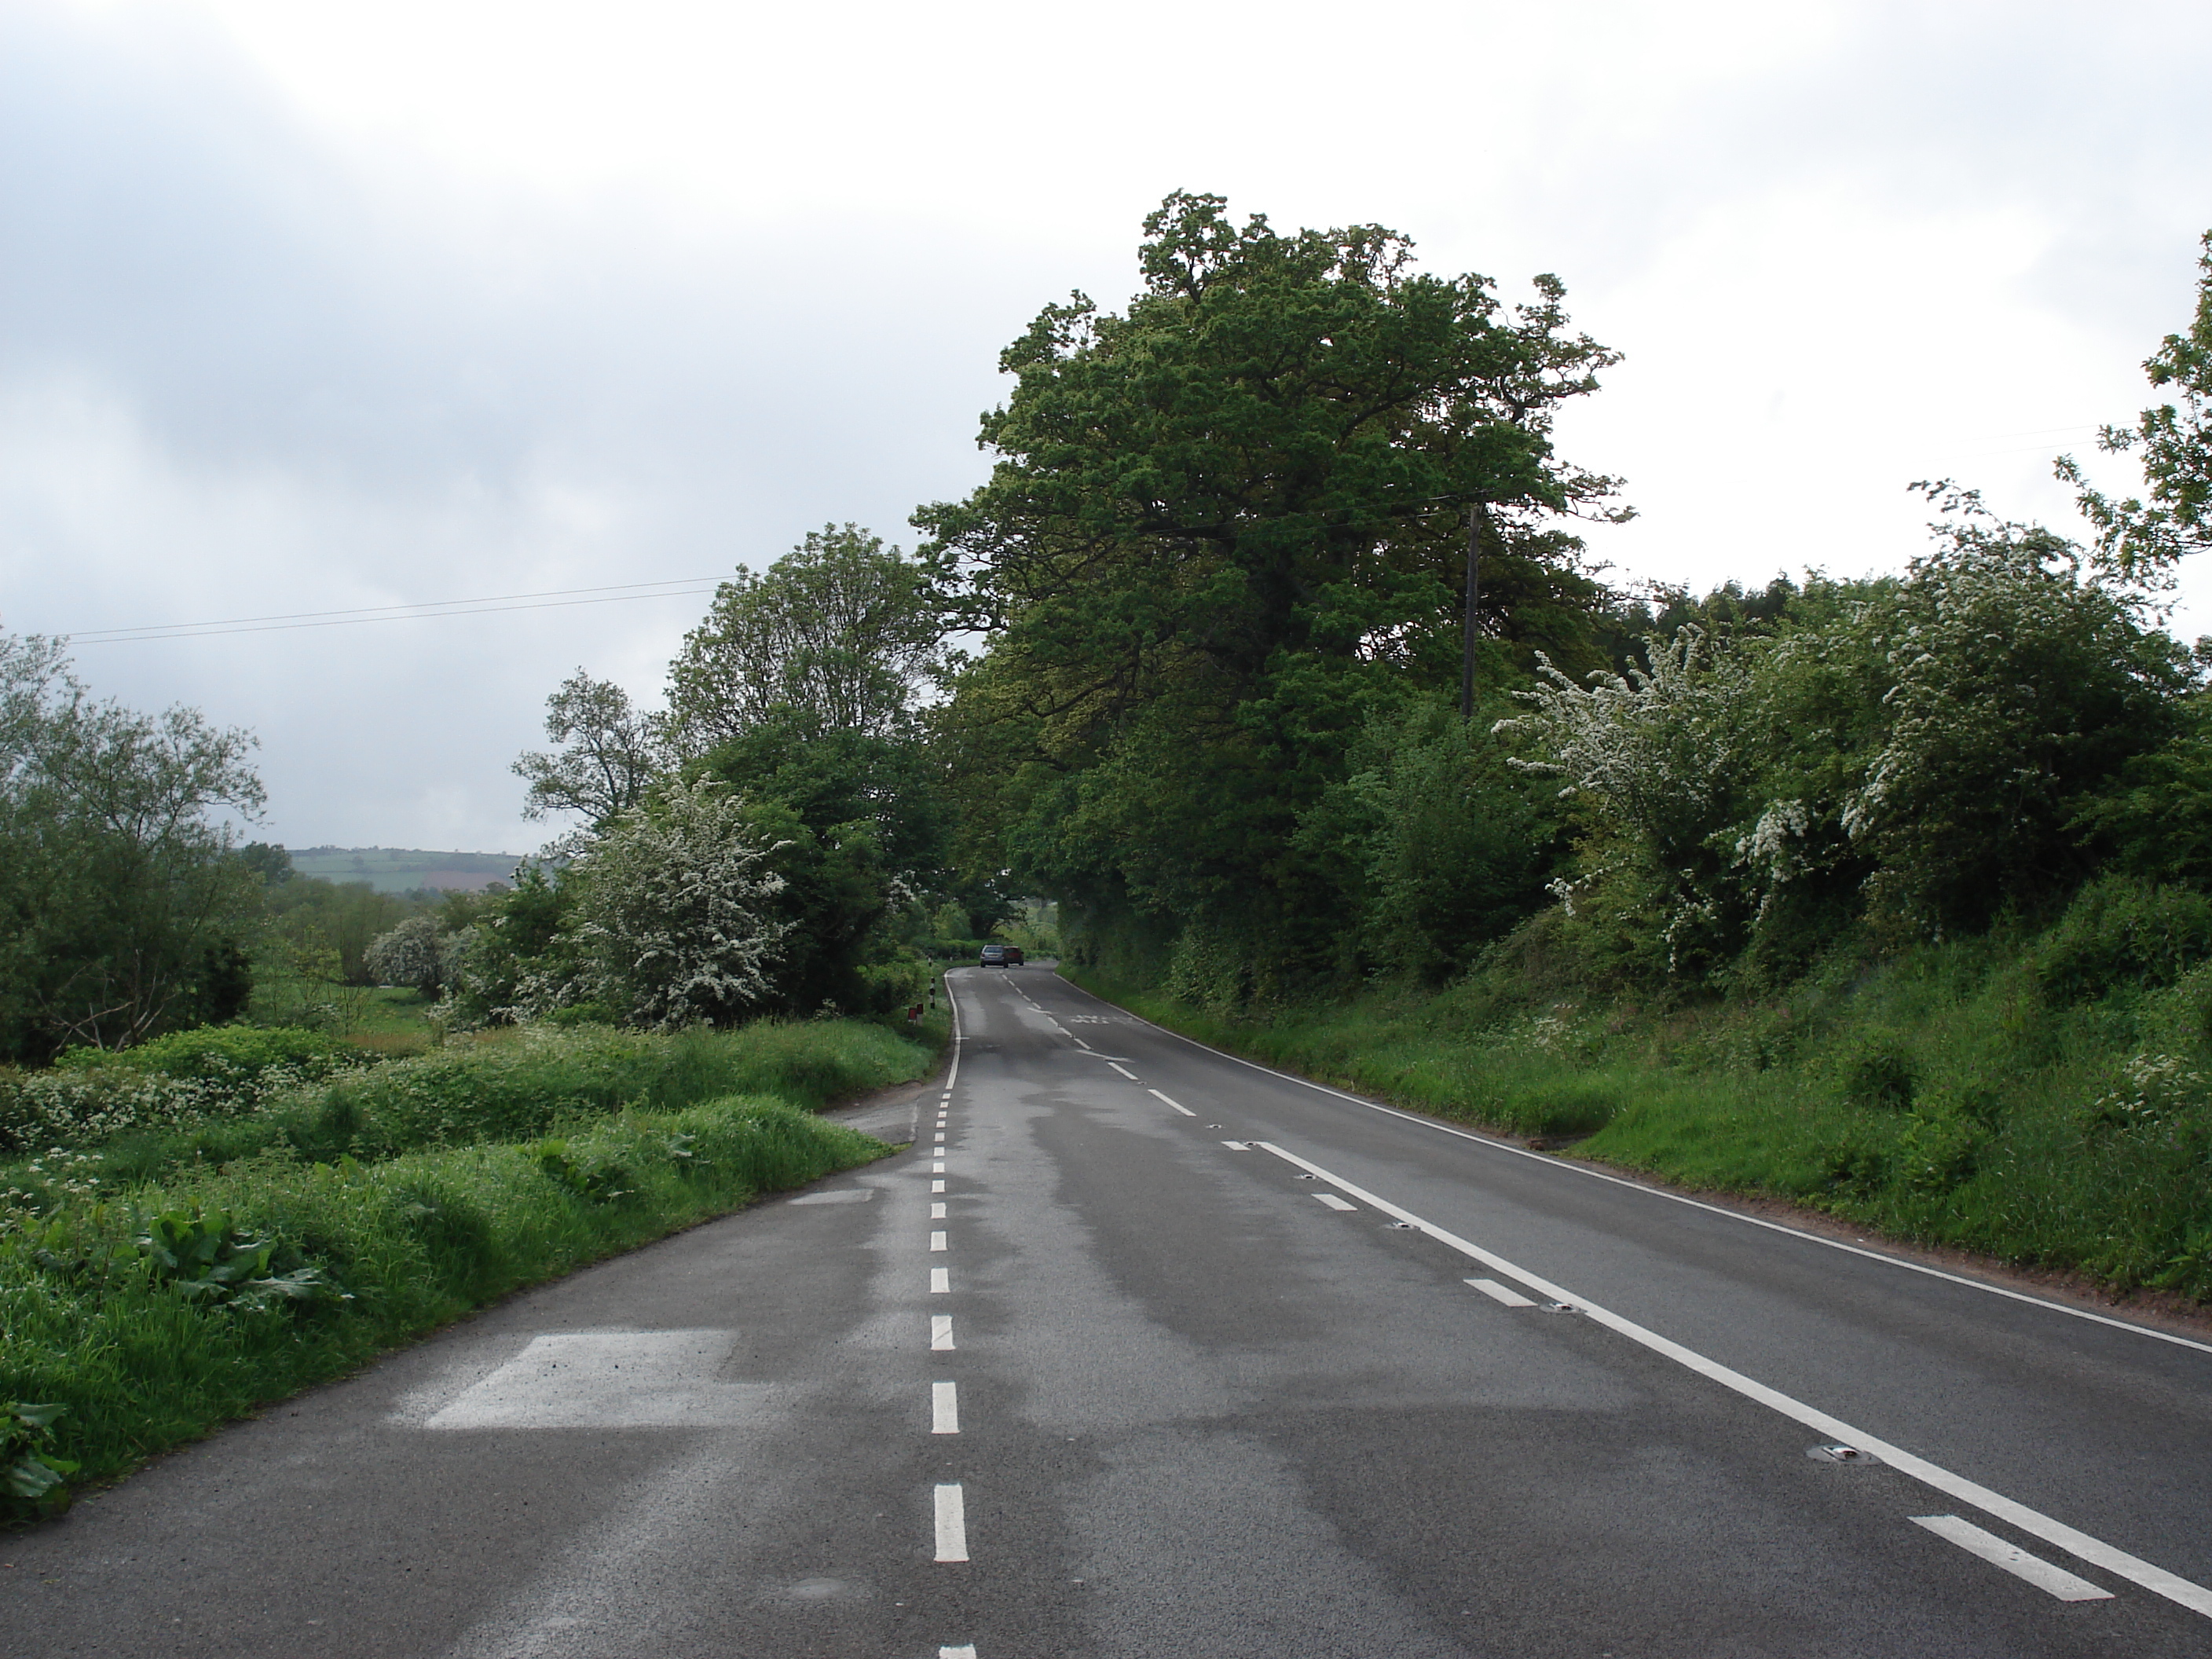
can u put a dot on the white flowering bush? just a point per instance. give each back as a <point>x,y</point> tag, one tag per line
<point>39,1110</point>
<point>1916,751</point>
<point>2159,1094</point>
<point>673,924</point>
<point>413,954</point>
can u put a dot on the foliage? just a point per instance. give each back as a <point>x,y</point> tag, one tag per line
<point>224,1053</point>
<point>838,635</point>
<point>416,953</point>
<point>1919,753</point>
<point>2140,540</point>
<point>1224,531</point>
<point>674,926</point>
<point>33,1480</point>
<point>133,1356</point>
<point>321,931</point>
<point>1939,1094</point>
<point>121,909</point>
<point>95,1133</point>
<point>612,753</point>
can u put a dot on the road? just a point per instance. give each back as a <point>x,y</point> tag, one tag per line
<point>1145,1351</point>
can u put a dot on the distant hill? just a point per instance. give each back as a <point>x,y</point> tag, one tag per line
<point>402,869</point>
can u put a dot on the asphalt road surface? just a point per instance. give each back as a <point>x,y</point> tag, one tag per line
<point>1143,1351</point>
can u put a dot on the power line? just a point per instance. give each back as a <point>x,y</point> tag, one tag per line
<point>554,598</point>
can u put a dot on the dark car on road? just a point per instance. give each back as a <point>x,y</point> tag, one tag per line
<point>1002,956</point>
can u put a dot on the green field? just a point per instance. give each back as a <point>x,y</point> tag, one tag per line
<point>403,869</point>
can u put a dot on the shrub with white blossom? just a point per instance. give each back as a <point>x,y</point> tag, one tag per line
<point>674,925</point>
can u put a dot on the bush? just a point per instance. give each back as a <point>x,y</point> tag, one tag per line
<point>220,1053</point>
<point>511,1086</point>
<point>2121,930</point>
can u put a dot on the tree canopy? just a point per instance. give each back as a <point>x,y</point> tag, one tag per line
<point>1224,529</point>
<point>2139,539</point>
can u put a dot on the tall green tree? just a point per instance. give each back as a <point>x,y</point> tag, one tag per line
<point>2140,539</point>
<point>1224,527</point>
<point>122,903</point>
<point>840,634</point>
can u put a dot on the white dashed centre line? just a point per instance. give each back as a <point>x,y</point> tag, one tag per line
<point>937,1212</point>
<point>2098,1553</point>
<point>2053,1581</point>
<point>1238,1145</point>
<point>951,1523</point>
<point>1165,1101</point>
<point>937,1241</point>
<point>944,1408</point>
<point>1498,1292</point>
<point>941,1333</point>
<point>968,1652</point>
<point>940,1281</point>
<point>1334,1202</point>
<point>940,1136</point>
<point>938,1168</point>
<point>1123,1070</point>
<point>936,1186</point>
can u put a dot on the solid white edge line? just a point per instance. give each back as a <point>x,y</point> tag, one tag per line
<point>2095,1551</point>
<point>2049,1579</point>
<point>1584,1170</point>
<point>1165,1101</point>
<point>1498,1292</point>
<point>960,1036</point>
<point>944,1408</point>
<point>940,1281</point>
<point>941,1333</point>
<point>951,1523</point>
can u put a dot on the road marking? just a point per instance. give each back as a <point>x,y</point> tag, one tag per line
<point>1238,1145</point>
<point>1498,1292</point>
<point>1584,1170</point>
<point>2054,1581</point>
<point>940,1136</point>
<point>941,1333</point>
<point>938,1168</point>
<point>940,1281</point>
<point>1079,1042</point>
<point>1123,1070</point>
<point>1157,1095</point>
<point>2095,1551</point>
<point>937,1241</point>
<point>967,1652</point>
<point>612,1380</point>
<point>936,1186</point>
<point>937,1212</point>
<point>951,1523</point>
<point>943,1408</point>
<point>1334,1202</point>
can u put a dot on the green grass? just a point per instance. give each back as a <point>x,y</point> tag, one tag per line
<point>417,1188</point>
<point>402,869</point>
<point>1943,1096</point>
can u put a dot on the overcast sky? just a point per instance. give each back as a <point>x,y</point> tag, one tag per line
<point>310,308</point>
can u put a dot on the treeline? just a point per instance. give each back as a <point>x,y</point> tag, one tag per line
<point>1202,663</point>
<point>1222,560</point>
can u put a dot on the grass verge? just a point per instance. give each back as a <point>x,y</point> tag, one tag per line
<point>162,1284</point>
<point>1945,1096</point>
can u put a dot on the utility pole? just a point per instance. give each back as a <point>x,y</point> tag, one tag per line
<point>1476,516</point>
